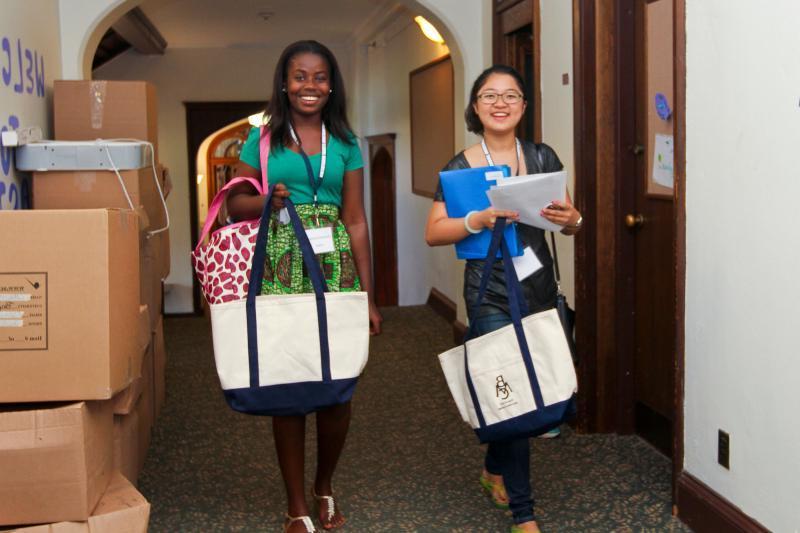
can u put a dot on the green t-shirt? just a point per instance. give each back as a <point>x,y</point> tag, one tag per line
<point>288,167</point>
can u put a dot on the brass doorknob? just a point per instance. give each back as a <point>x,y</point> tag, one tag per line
<point>634,221</point>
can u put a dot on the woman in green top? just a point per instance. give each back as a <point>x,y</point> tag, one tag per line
<point>307,114</point>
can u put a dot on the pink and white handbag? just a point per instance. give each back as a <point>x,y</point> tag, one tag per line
<point>222,265</point>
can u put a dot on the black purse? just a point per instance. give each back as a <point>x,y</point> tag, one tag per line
<point>565,312</point>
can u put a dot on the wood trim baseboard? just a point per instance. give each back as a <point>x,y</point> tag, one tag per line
<point>444,306</point>
<point>459,330</point>
<point>702,509</point>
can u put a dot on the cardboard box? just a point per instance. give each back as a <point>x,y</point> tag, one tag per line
<point>56,461</point>
<point>145,406</point>
<point>125,400</point>
<point>162,253</point>
<point>93,189</point>
<point>159,368</point>
<point>127,457</point>
<point>97,109</point>
<point>122,509</point>
<point>150,292</point>
<point>69,284</point>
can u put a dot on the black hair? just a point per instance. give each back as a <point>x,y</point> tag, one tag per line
<point>334,114</point>
<point>474,123</point>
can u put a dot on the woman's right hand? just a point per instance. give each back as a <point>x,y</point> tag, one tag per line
<point>278,195</point>
<point>488,217</point>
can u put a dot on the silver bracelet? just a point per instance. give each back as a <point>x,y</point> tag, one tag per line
<point>467,226</point>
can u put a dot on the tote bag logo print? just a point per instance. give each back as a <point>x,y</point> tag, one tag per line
<point>503,393</point>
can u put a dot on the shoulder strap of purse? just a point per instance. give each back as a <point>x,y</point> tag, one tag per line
<point>263,145</point>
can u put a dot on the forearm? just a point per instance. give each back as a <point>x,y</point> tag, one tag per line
<point>246,206</point>
<point>446,231</point>
<point>359,242</point>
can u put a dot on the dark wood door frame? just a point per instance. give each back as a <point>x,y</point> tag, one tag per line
<point>385,285</point>
<point>602,92</point>
<point>510,16</point>
<point>203,119</point>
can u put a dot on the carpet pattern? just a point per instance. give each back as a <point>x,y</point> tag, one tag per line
<point>410,463</point>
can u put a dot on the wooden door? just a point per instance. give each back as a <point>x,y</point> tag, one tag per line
<point>384,228</point>
<point>650,225</point>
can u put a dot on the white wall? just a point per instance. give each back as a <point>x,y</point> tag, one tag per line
<point>557,112</point>
<point>30,59</point>
<point>385,70</point>
<point>382,84</point>
<point>194,75</point>
<point>742,253</point>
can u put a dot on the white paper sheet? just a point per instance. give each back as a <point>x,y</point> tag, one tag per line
<point>528,195</point>
<point>663,157</point>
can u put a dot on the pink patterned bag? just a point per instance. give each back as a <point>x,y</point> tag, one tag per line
<point>222,265</point>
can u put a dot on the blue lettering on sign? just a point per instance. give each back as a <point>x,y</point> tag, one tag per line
<point>39,74</point>
<point>18,85</point>
<point>7,67</point>
<point>6,160</point>
<point>28,72</point>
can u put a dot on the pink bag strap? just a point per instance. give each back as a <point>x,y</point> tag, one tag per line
<point>262,187</point>
<point>264,159</point>
<point>216,204</point>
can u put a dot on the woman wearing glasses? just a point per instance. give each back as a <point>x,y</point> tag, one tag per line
<point>497,103</point>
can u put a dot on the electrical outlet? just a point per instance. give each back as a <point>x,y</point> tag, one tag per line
<point>724,449</point>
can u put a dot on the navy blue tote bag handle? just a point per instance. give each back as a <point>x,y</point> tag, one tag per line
<point>257,276</point>
<point>518,307</point>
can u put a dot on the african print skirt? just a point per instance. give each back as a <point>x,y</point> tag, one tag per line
<point>284,271</point>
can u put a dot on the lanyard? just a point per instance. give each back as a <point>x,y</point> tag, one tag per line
<point>315,183</point>
<point>489,157</point>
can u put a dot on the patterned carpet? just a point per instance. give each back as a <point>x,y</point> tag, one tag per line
<point>410,464</point>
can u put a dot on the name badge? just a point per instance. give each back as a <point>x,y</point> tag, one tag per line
<point>321,239</point>
<point>526,264</point>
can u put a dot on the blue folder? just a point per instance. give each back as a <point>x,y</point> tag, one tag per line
<point>465,191</point>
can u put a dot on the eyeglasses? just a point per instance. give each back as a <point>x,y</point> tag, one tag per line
<point>510,98</point>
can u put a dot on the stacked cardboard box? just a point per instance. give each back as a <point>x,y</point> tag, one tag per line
<point>81,324</point>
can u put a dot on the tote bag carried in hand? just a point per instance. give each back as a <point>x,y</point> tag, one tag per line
<point>222,264</point>
<point>289,354</point>
<point>517,381</point>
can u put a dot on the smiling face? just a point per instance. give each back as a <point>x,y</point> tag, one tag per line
<point>308,83</point>
<point>499,117</point>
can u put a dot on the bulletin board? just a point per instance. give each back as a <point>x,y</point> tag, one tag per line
<point>659,59</point>
<point>432,130</point>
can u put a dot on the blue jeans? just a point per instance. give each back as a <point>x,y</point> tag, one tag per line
<point>509,458</point>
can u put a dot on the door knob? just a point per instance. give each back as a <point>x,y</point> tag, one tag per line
<point>634,221</point>
<point>636,149</point>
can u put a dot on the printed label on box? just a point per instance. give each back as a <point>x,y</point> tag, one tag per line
<point>23,311</point>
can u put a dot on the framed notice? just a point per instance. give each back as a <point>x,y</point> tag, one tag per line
<point>432,130</point>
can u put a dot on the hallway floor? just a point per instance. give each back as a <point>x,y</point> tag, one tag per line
<point>410,463</point>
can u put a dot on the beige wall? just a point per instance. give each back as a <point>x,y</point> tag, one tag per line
<point>29,32</point>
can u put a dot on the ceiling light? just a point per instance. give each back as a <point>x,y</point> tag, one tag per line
<point>428,29</point>
<point>265,15</point>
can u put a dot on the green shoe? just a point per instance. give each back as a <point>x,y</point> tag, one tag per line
<point>489,486</point>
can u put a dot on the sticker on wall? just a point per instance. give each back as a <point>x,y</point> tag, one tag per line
<point>663,157</point>
<point>23,311</point>
<point>662,107</point>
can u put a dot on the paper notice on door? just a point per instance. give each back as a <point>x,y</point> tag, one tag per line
<point>663,157</point>
<point>23,311</point>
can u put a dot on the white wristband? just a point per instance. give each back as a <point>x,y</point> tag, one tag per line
<point>467,226</point>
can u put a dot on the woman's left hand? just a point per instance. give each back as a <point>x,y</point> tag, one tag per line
<point>561,213</point>
<point>375,319</point>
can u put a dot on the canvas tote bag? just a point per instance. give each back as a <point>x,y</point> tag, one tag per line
<point>281,355</point>
<point>517,381</point>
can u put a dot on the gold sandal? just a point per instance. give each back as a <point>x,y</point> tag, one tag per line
<point>331,511</point>
<point>306,522</point>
